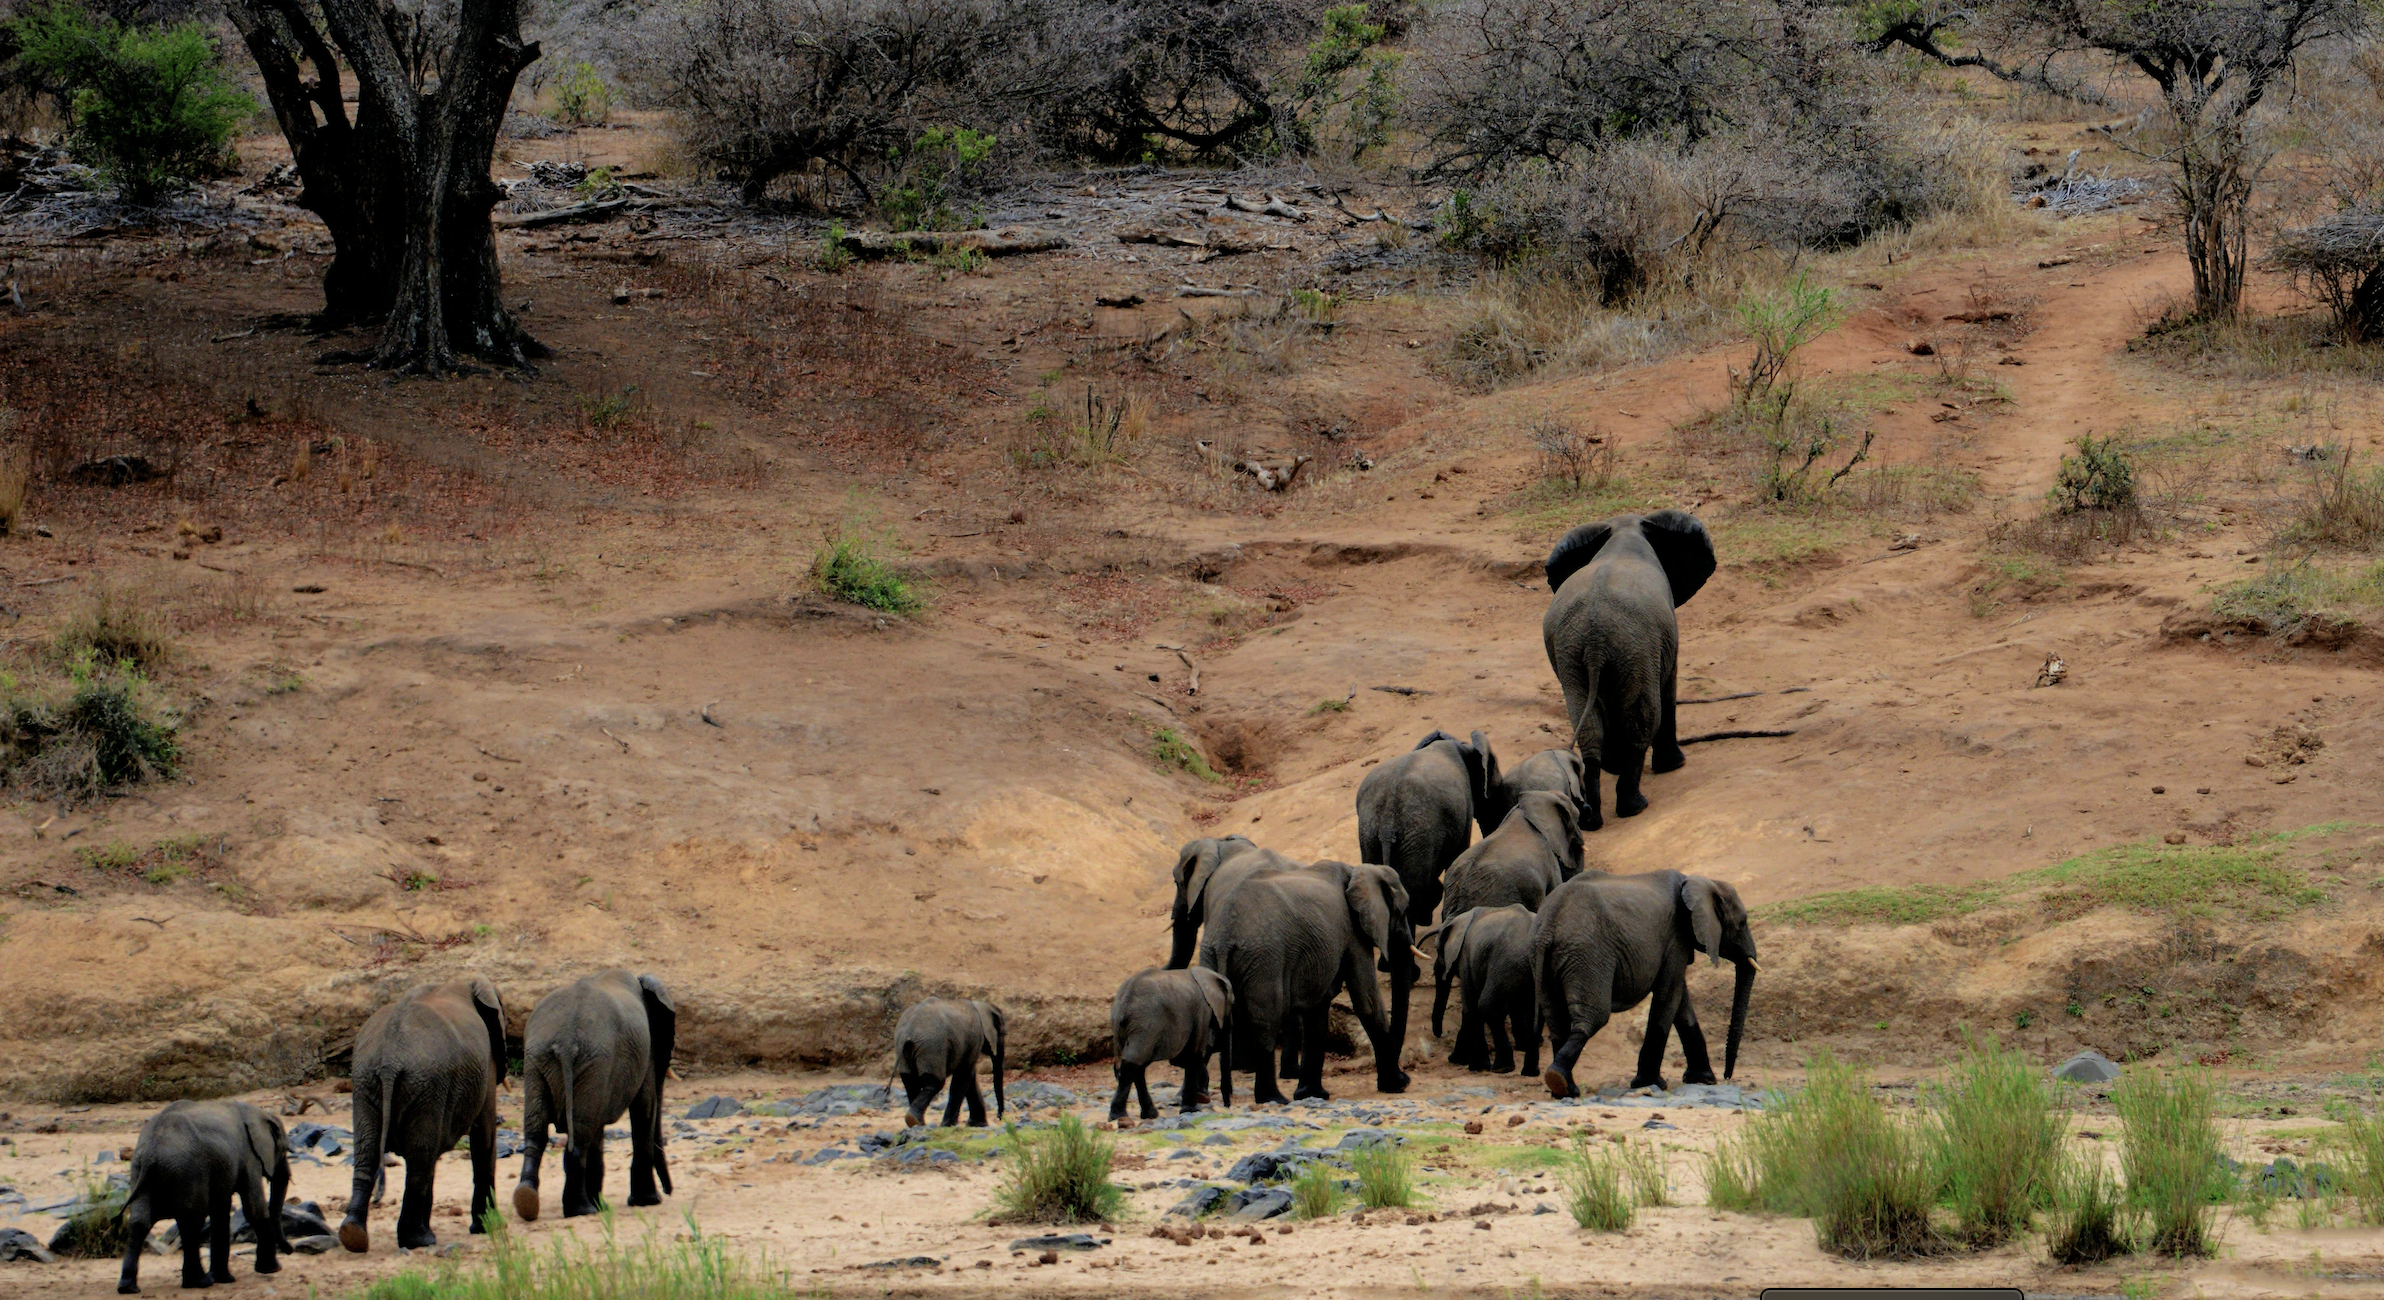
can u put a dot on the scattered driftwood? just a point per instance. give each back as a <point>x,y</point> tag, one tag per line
<point>1119,300</point>
<point>601,210</point>
<point>114,471</point>
<point>1402,690</point>
<point>2340,262</point>
<point>1733,735</point>
<point>1009,241</point>
<point>1274,475</point>
<point>1983,316</point>
<point>1201,291</point>
<point>1717,699</point>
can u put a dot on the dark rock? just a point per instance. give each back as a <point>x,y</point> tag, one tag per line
<point>1202,1200</point>
<point>842,1099</point>
<point>1254,1203</point>
<point>1033,1093</point>
<point>1657,1123</point>
<point>302,1219</point>
<point>1185,1153</point>
<point>716,1107</point>
<point>113,471</point>
<point>910,1155</point>
<point>616,1135</point>
<point>16,1244</point>
<point>908,1261</point>
<point>1061,1241</point>
<point>1272,1166</point>
<point>1542,1207</point>
<point>2089,1066</point>
<point>2281,1177</point>
<point>827,1154</point>
<point>1367,1137</point>
<point>1216,1140</point>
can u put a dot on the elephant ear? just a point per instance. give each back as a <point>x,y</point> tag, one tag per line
<point>1369,911</point>
<point>1452,941</point>
<point>1705,920</point>
<point>492,1015</point>
<point>266,1140</point>
<point>1552,816</point>
<point>1217,992</point>
<point>662,1025</point>
<point>1683,548</point>
<point>1199,860</point>
<point>1434,738</point>
<point>1574,550</point>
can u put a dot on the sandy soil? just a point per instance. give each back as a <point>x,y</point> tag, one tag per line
<point>543,689</point>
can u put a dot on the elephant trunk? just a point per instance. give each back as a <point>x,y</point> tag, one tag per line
<point>1001,1104</point>
<point>1185,923</point>
<point>1403,976</point>
<point>1741,987</point>
<point>1442,970</point>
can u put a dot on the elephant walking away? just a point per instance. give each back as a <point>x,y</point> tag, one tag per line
<point>594,1050</point>
<point>1177,1016</point>
<point>1487,951</point>
<point>1601,943</point>
<point>1416,812</point>
<point>191,1159</point>
<point>940,1039</point>
<point>426,1074</point>
<point>1614,640</point>
<point>1537,848</point>
<point>1288,941</point>
<point>1197,881</point>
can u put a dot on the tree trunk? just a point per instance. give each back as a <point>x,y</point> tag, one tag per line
<point>404,188</point>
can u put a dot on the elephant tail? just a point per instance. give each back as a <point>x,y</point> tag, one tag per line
<point>566,1067</point>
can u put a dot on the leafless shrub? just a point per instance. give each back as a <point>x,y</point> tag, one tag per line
<point>2339,260</point>
<point>1583,460</point>
<point>2339,504</point>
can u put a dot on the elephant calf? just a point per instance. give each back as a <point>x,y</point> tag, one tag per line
<point>1537,848</point>
<point>1177,1016</point>
<point>1488,951</point>
<point>191,1159</point>
<point>1601,943</point>
<point>426,1074</point>
<point>940,1039</point>
<point>593,1051</point>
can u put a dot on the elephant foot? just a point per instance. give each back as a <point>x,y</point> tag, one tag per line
<point>1116,1113</point>
<point>1150,1112</point>
<point>644,1198</point>
<point>1270,1098</point>
<point>913,1119</point>
<point>1304,1092</point>
<point>128,1288</point>
<point>268,1266</point>
<point>1395,1082</point>
<point>423,1239</point>
<point>1706,1077</point>
<point>525,1201</point>
<point>1505,1065</point>
<point>1655,1081</point>
<point>353,1236</point>
<point>1671,761</point>
<point>198,1283</point>
<point>224,1277</point>
<point>1560,1085</point>
<point>1629,805</point>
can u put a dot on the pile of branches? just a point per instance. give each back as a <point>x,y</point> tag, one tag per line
<point>2340,262</point>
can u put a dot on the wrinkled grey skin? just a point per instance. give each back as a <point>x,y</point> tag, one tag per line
<point>1601,943</point>
<point>1415,812</point>
<point>1537,848</point>
<point>1557,771</point>
<point>191,1159</point>
<point>1289,940</point>
<point>1177,1016</point>
<point>1207,870</point>
<point>596,1049</point>
<point>1487,951</point>
<point>941,1038</point>
<point>426,1074</point>
<point>1614,641</point>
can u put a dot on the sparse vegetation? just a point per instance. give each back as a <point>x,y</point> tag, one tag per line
<point>151,105</point>
<point>940,168</point>
<point>1059,1175</point>
<point>94,732</point>
<point>1316,1193</point>
<point>1780,325</point>
<point>688,1265</point>
<point>2341,506</point>
<point>2359,1167</point>
<point>1579,460</point>
<point>1174,753</point>
<point>1385,1173</point>
<point>1595,1191</point>
<point>581,95</point>
<point>2169,1153</point>
<point>1995,1139</point>
<point>2187,880</point>
<point>117,623</point>
<point>2287,599</point>
<point>96,1231</point>
<point>850,566</point>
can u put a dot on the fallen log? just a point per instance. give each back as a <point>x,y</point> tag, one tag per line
<point>601,210</point>
<point>1009,241</point>
<point>1732,735</point>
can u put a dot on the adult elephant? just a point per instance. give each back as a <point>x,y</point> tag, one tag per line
<point>1537,848</point>
<point>1287,941</point>
<point>1487,951</point>
<point>426,1074</point>
<point>1602,943</point>
<point>594,1050</point>
<point>1614,640</point>
<point>1415,812</point>
<point>1197,882</point>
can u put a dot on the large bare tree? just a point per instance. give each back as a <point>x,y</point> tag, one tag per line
<point>403,184</point>
<point>2214,63</point>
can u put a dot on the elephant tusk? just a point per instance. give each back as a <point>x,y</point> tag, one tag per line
<point>1749,963</point>
<point>672,1072</point>
<point>1419,953</point>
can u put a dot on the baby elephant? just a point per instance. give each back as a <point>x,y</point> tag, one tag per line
<point>1488,951</point>
<point>1177,1016</point>
<point>941,1039</point>
<point>191,1158</point>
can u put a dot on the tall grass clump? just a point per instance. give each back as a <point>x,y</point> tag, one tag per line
<point>2169,1152</point>
<point>1833,1154</point>
<point>1606,1183</point>
<point>117,623</point>
<point>1995,1140</point>
<point>2085,1215</point>
<point>2360,1168</point>
<point>2342,506</point>
<point>850,566</point>
<point>1060,1175</point>
<point>97,731</point>
<point>692,1266</point>
<point>95,1231</point>
<point>1385,1174</point>
<point>1316,1193</point>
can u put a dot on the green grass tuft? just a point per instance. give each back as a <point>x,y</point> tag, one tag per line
<point>1316,1193</point>
<point>692,1266</point>
<point>2360,1163</point>
<point>1385,1173</point>
<point>1595,1193</point>
<point>2085,1218</point>
<point>1995,1140</point>
<point>2188,880</point>
<point>1833,1154</point>
<point>2169,1152</point>
<point>850,567</point>
<point>1060,1175</point>
<point>1170,750</point>
<point>97,1230</point>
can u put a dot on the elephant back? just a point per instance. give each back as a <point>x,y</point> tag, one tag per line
<point>938,1036</point>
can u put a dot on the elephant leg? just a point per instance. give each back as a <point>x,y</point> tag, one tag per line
<point>1196,1085</point>
<point>484,1169</point>
<point>592,1173</point>
<point>1662,1006</point>
<point>219,1235</point>
<point>1125,1084</point>
<point>1579,1025</point>
<point>194,1269</point>
<point>1261,1037</point>
<point>1526,1016</point>
<point>268,1226</point>
<point>1142,1091</point>
<point>1630,762</point>
<point>917,1097</point>
<point>1290,1040</point>
<point>577,1199</point>
<point>525,1192</point>
<point>645,1119</point>
<point>1469,1052</point>
<point>1312,1035</point>
<point>1697,1066</point>
<point>1589,739</point>
<point>137,1221</point>
<point>413,1210</point>
<point>1502,1060</point>
<point>1365,998</point>
<point>976,1097</point>
<point>953,1097</point>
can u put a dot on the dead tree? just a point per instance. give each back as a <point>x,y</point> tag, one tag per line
<point>403,184</point>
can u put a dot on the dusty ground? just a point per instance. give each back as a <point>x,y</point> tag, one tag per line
<point>525,679</point>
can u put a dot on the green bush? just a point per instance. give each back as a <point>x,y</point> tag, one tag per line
<point>941,165</point>
<point>2102,476</point>
<point>833,255</point>
<point>849,567</point>
<point>1171,750</point>
<point>1779,324</point>
<point>1995,1140</point>
<point>99,732</point>
<point>1060,1175</point>
<point>581,94</point>
<point>1385,1174</point>
<point>2169,1152</point>
<point>2360,1148</point>
<point>1316,1193</point>
<point>150,105</point>
<point>2085,1219</point>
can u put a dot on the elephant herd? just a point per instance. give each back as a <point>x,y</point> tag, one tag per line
<point>427,1069</point>
<point>1262,944</point>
